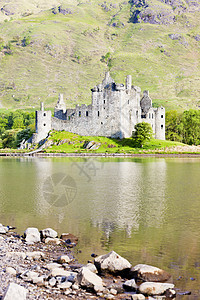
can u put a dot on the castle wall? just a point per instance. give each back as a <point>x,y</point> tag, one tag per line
<point>114,112</point>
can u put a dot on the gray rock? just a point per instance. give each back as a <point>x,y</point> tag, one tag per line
<point>52,281</point>
<point>113,291</point>
<point>48,232</point>
<point>38,280</point>
<point>175,36</point>
<point>91,267</point>
<point>64,285</point>
<point>149,273</point>
<point>138,297</point>
<point>16,254</point>
<point>64,10</point>
<point>63,259</point>
<point>32,235</point>
<point>91,145</point>
<point>29,276</point>
<point>109,296</point>
<point>197,37</point>
<point>70,276</point>
<point>170,293</point>
<point>55,241</point>
<point>11,271</point>
<point>88,279</point>
<point>35,255</point>
<point>155,288</point>
<point>52,266</point>
<point>3,229</point>
<point>130,285</point>
<point>75,287</point>
<point>15,292</point>
<point>112,262</point>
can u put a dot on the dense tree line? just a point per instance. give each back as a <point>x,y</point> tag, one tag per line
<point>14,127</point>
<point>183,127</point>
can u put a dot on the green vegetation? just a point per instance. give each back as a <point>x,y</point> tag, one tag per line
<point>66,142</point>
<point>183,127</point>
<point>143,133</point>
<point>44,52</point>
<point>14,127</point>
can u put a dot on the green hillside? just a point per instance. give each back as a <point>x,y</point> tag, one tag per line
<point>52,47</point>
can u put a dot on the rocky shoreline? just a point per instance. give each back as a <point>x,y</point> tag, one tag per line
<point>39,265</point>
<point>123,155</point>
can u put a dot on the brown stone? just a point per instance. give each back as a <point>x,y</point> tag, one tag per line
<point>70,238</point>
<point>148,273</point>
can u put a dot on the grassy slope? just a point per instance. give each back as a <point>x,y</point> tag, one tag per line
<point>65,52</point>
<point>74,143</point>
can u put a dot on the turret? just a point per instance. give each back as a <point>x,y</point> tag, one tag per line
<point>128,82</point>
<point>42,106</point>
<point>42,124</point>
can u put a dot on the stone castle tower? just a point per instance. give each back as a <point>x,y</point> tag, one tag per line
<point>114,111</point>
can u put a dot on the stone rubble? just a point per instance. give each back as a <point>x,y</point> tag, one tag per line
<point>33,269</point>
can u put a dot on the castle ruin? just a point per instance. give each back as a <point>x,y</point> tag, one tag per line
<point>114,112</point>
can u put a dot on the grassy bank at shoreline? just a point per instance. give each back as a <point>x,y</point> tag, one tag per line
<point>69,143</point>
<point>66,142</point>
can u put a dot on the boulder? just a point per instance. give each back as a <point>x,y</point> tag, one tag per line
<point>89,280</point>
<point>149,273</point>
<point>155,288</point>
<point>15,291</point>
<point>91,267</point>
<point>32,235</point>
<point>112,263</point>
<point>48,232</point>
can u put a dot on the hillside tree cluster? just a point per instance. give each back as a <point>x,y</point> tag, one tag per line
<point>16,126</point>
<point>183,127</point>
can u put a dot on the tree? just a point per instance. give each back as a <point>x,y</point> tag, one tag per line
<point>8,139</point>
<point>143,132</point>
<point>173,126</point>
<point>191,127</point>
<point>23,135</point>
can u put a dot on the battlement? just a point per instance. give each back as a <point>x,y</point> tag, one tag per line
<point>114,111</point>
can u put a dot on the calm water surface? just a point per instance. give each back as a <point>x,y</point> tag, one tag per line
<point>147,210</point>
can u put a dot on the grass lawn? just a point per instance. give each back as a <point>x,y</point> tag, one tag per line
<point>66,142</point>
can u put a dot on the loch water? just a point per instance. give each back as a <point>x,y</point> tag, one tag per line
<point>146,209</point>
